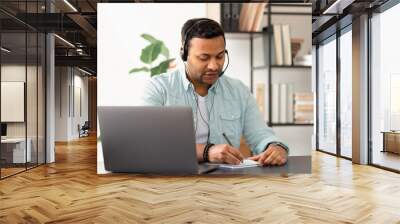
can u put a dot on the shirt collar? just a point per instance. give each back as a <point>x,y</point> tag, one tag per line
<point>186,83</point>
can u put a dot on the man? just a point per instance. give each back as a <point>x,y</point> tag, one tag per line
<point>223,107</point>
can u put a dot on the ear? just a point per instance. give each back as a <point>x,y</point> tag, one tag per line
<point>181,52</point>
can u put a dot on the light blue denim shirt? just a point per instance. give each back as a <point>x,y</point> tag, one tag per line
<point>234,111</point>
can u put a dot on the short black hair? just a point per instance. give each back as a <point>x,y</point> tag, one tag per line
<point>201,28</point>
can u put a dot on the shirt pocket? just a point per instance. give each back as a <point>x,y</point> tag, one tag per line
<point>173,100</point>
<point>230,125</point>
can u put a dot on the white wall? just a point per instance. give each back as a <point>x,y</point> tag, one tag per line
<point>239,55</point>
<point>119,43</point>
<point>67,80</point>
<point>61,103</point>
<point>12,73</point>
<point>79,117</point>
<point>33,126</point>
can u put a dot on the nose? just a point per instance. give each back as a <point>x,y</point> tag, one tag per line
<point>213,65</point>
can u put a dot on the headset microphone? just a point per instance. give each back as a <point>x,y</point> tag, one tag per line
<point>227,64</point>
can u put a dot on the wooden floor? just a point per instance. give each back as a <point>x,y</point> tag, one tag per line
<point>387,159</point>
<point>70,191</point>
<point>10,171</point>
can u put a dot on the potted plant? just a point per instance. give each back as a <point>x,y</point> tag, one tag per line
<point>150,54</point>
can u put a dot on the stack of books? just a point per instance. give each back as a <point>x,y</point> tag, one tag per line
<point>242,17</point>
<point>289,107</point>
<point>303,108</point>
<point>282,103</point>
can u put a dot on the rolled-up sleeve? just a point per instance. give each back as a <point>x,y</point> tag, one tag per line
<point>256,132</point>
<point>152,94</point>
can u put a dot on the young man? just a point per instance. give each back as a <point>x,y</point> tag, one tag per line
<point>223,107</point>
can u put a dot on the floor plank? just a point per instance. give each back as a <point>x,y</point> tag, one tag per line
<point>70,191</point>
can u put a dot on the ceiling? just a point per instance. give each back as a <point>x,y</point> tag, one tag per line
<point>332,15</point>
<point>76,22</point>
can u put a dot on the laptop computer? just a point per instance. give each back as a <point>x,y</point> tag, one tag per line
<point>148,139</point>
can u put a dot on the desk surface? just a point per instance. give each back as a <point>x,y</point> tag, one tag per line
<point>294,165</point>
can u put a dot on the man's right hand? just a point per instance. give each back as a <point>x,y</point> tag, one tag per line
<point>223,153</point>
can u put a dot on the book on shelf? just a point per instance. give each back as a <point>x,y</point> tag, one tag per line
<point>303,96</point>
<point>289,103</point>
<point>278,44</point>
<point>282,46</point>
<point>289,106</point>
<point>235,10</point>
<point>226,16</point>
<point>286,44</point>
<point>243,16</point>
<point>251,15</point>
<point>258,17</point>
<point>275,102</point>
<point>304,60</point>
<point>283,105</point>
<point>260,98</point>
<point>230,13</point>
<point>303,108</point>
<point>303,119</point>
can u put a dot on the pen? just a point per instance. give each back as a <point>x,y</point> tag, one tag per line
<point>229,142</point>
<point>227,139</point>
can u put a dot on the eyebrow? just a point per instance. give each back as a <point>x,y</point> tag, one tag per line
<point>209,54</point>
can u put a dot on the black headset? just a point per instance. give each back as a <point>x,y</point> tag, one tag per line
<point>184,48</point>
<point>184,56</point>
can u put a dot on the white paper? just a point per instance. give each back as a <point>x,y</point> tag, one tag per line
<point>246,163</point>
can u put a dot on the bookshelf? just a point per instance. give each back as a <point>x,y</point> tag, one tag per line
<point>291,66</point>
<point>290,124</point>
<point>282,66</point>
<point>269,69</point>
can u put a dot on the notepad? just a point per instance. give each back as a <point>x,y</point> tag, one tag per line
<point>246,163</point>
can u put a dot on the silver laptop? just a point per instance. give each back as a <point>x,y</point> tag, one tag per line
<point>154,140</point>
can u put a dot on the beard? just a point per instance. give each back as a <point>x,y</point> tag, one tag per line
<point>209,77</point>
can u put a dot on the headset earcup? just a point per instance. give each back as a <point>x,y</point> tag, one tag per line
<point>182,54</point>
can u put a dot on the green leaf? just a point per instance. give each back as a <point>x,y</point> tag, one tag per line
<point>164,51</point>
<point>150,38</point>
<point>133,70</point>
<point>161,68</point>
<point>151,52</point>
<point>153,40</point>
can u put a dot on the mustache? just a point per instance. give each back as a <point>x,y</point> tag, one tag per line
<point>213,72</point>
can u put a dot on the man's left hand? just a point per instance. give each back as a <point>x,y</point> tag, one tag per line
<point>273,155</point>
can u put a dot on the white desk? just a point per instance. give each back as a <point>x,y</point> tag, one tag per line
<point>19,149</point>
